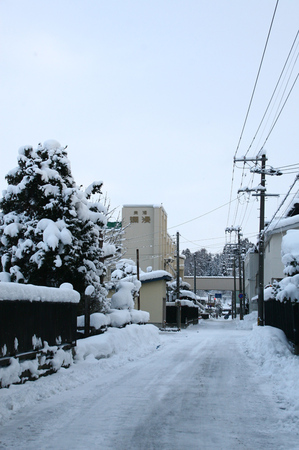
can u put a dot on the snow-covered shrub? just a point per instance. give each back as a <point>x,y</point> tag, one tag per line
<point>123,298</point>
<point>288,288</point>
<point>126,284</point>
<point>290,252</point>
<point>51,231</point>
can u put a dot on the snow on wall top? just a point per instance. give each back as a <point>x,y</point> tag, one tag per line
<point>17,291</point>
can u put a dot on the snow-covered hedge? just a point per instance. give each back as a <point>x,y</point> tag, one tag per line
<point>115,318</point>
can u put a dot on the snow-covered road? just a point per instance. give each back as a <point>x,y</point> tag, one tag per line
<point>198,390</point>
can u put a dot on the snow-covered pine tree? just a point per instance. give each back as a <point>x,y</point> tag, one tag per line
<point>50,233</point>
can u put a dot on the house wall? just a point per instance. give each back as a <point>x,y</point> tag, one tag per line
<point>146,230</point>
<point>151,300</point>
<point>273,267</point>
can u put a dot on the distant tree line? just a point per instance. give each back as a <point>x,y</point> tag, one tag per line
<point>218,264</point>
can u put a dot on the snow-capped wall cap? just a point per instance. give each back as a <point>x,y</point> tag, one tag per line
<point>51,144</point>
<point>89,290</point>
<point>5,277</point>
<point>66,286</point>
<point>31,293</point>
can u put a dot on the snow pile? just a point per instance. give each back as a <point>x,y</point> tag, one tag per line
<point>115,341</point>
<point>16,291</point>
<point>272,354</point>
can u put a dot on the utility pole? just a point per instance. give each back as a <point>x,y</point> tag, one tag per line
<point>262,194</point>
<point>178,303</point>
<point>236,251</point>
<point>261,244</point>
<point>194,289</point>
<point>138,277</point>
<point>243,271</point>
<point>240,275</point>
<point>234,300</point>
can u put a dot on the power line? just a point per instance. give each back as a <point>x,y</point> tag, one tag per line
<point>251,99</point>
<point>257,77</point>
<point>272,96</point>
<point>275,121</point>
<point>203,215</point>
<point>288,193</point>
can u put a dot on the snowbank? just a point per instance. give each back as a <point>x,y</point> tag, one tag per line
<point>274,360</point>
<point>115,340</point>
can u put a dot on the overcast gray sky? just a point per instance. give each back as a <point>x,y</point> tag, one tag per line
<point>151,97</point>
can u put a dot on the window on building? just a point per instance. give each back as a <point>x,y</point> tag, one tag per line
<point>134,219</point>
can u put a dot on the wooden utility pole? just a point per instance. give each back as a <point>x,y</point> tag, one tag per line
<point>240,274</point>
<point>262,194</point>
<point>178,303</point>
<point>138,278</point>
<point>261,244</point>
<point>194,289</point>
<point>234,300</point>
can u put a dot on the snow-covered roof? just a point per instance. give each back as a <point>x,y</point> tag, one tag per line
<point>17,291</point>
<point>282,224</point>
<point>155,275</point>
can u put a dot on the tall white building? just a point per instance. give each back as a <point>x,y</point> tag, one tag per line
<point>146,230</point>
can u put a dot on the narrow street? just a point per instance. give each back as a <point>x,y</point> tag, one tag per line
<point>198,390</point>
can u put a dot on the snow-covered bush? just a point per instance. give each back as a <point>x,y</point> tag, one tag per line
<point>290,252</point>
<point>50,230</point>
<point>288,288</point>
<point>126,284</point>
<point>123,298</point>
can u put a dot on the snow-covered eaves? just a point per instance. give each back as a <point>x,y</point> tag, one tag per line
<point>282,224</point>
<point>28,292</point>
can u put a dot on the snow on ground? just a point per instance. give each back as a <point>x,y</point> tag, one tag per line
<point>94,355</point>
<point>263,351</point>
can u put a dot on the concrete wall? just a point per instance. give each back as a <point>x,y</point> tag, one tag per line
<point>273,268</point>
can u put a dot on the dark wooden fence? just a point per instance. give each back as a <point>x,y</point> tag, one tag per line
<point>189,314</point>
<point>22,323</point>
<point>285,316</point>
